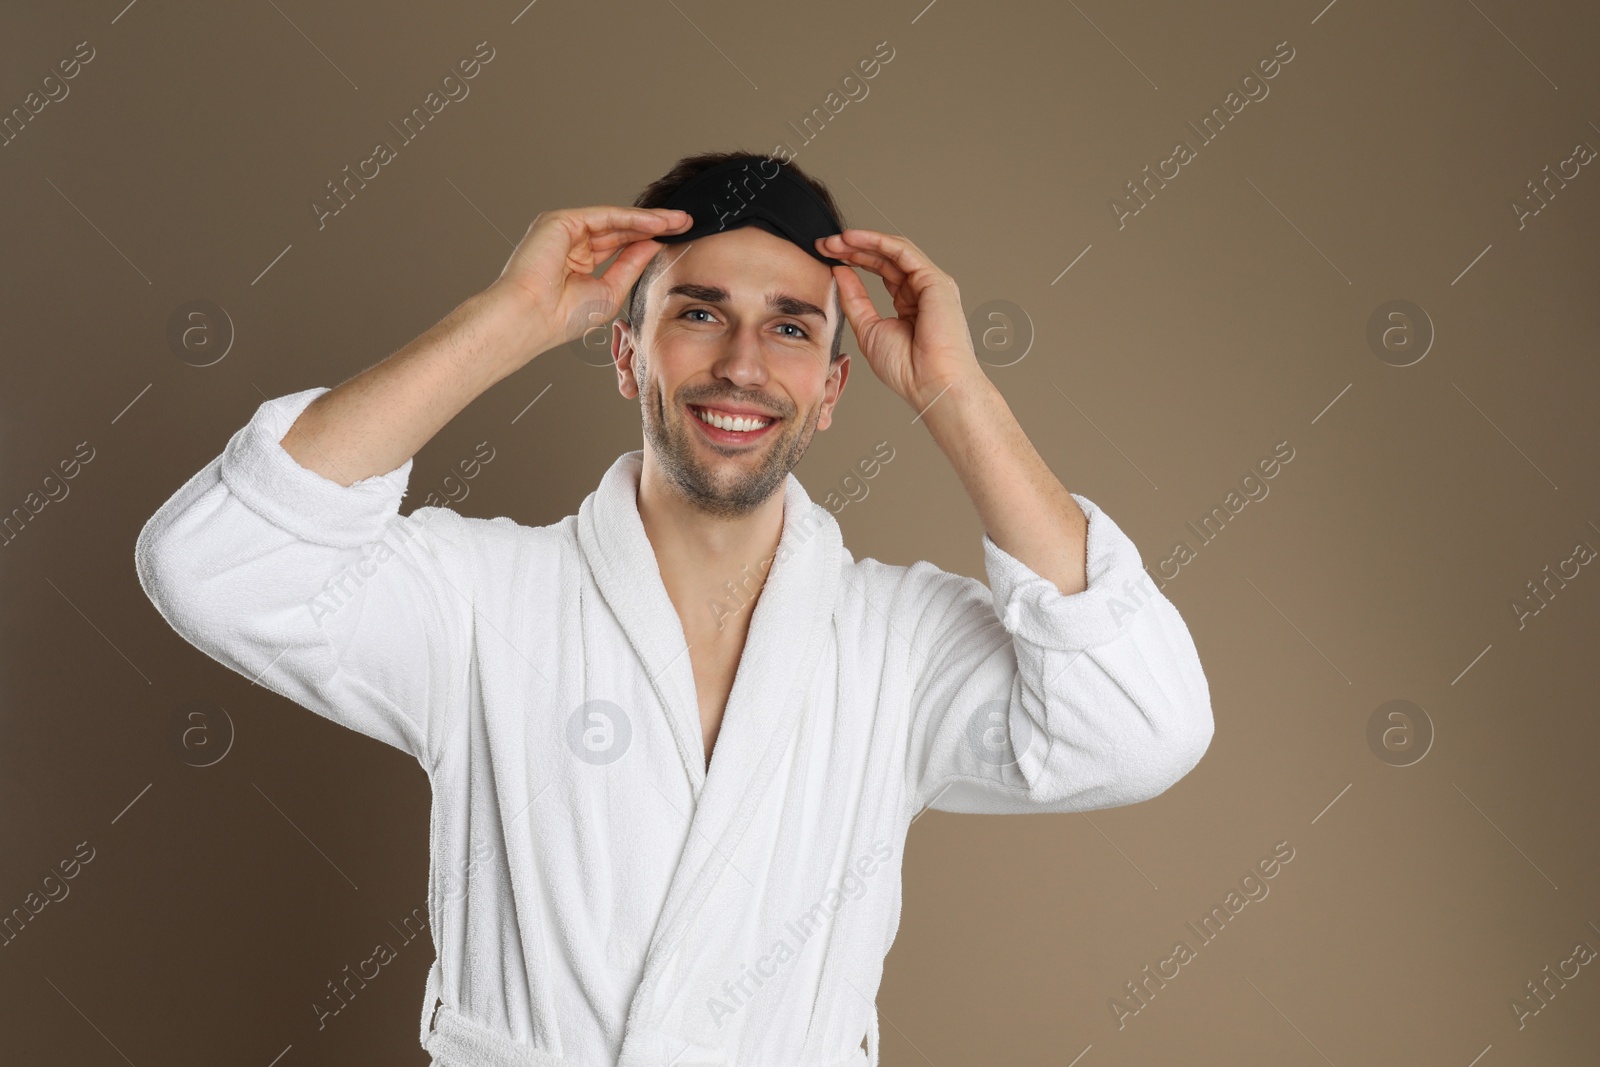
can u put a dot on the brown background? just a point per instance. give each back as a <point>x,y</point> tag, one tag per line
<point>1226,317</point>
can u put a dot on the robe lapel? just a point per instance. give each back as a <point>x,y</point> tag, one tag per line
<point>620,557</point>
<point>789,632</point>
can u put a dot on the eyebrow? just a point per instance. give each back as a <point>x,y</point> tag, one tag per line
<point>782,303</point>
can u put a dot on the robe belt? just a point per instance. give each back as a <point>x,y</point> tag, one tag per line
<point>458,1042</point>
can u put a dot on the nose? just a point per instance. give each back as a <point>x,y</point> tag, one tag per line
<point>742,360</point>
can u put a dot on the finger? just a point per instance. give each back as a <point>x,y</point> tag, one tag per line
<point>896,282</point>
<point>854,301</point>
<point>897,262</point>
<point>908,256</point>
<point>904,299</point>
<point>594,231</point>
<point>617,238</point>
<point>608,218</point>
<point>626,268</point>
<point>577,227</point>
<point>876,262</point>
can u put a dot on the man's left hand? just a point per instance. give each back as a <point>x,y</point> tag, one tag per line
<point>927,347</point>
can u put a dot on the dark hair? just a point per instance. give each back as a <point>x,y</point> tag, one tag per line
<point>656,194</point>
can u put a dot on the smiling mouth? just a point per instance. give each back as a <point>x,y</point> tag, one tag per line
<point>721,427</point>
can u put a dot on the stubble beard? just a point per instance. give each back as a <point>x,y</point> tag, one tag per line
<point>732,494</point>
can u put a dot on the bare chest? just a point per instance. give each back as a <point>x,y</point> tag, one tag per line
<point>716,663</point>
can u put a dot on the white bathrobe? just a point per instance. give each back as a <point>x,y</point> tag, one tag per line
<point>596,896</point>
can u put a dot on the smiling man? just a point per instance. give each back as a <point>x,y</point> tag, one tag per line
<point>731,343</point>
<point>660,835</point>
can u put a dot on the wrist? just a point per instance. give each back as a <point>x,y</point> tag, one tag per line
<point>510,325</point>
<point>963,389</point>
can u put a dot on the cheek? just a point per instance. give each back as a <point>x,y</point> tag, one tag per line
<point>671,360</point>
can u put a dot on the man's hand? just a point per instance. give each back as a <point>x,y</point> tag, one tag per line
<point>926,351</point>
<point>550,274</point>
<point>928,346</point>
<point>546,295</point>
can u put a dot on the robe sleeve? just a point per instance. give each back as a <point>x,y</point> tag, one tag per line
<point>319,592</point>
<point>1028,700</point>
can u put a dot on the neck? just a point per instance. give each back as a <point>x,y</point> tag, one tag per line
<point>713,566</point>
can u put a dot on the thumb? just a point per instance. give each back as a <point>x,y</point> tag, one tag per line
<point>626,268</point>
<point>854,301</point>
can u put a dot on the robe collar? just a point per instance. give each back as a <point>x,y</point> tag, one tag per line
<point>791,629</point>
<point>798,597</point>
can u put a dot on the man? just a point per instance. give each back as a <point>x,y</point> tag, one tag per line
<point>675,741</point>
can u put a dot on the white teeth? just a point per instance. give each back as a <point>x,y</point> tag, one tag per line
<point>741,423</point>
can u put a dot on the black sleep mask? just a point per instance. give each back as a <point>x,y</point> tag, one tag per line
<point>754,191</point>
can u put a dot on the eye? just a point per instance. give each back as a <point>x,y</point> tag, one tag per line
<point>799,335</point>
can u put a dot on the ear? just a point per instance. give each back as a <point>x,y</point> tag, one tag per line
<point>625,355</point>
<point>838,374</point>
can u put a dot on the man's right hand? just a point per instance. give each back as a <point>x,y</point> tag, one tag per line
<point>550,275</point>
<point>546,296</point>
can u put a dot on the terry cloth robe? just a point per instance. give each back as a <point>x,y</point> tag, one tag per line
<point>596,896</point>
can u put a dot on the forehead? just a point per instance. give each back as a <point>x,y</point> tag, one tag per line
<point>748,262</point>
